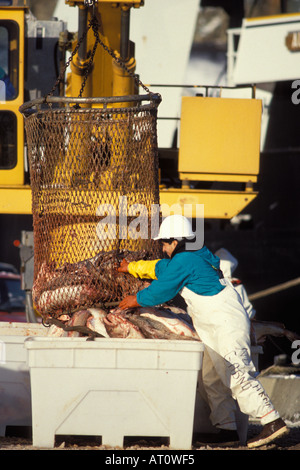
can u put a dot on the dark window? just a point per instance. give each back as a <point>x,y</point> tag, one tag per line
<point>8,140</point>
<point>9,59</point>
<point>12,297</point>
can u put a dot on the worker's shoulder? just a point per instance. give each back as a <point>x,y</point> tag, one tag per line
<point>189,257</point>
<point>197,258</point>
<point>192,253</point>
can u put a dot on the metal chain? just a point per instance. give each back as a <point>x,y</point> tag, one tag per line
<point>62,73</point>
<point>94,25</point>
<point>88,67</point>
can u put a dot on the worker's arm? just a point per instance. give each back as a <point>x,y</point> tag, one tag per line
<point>171,280</point>
<point>142,269</point>
<point>146,269</point>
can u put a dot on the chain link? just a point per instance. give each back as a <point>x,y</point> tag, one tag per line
<point>90,63</point>
<point>94,25</point>
<point>63,71</point>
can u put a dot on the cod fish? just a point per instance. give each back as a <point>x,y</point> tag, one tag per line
<point>77,319</point>
<point>62,299</point>
<point>261,329</point>
<point>118,326</point>
<point>96,321</point>
<point>82,321</point>
<point>176,323</point>
<point>156,329</point>
<point>148,323</point>
<point>56,331</point>
<point>81,285</point>
<point>164,322</point>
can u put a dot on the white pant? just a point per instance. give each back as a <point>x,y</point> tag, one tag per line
<point>228,371</point>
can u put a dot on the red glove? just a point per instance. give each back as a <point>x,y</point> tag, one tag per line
<point>123,268</point>
<point>129,302</point>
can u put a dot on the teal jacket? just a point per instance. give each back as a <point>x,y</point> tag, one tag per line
<point>196,270</point>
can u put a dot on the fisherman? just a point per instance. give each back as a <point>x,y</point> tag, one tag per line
<point>220,321</point>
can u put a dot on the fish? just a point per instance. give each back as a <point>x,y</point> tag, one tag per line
<point>77,319</point>
<point>84,284</point>
<point>177,323</point>
<point>150,323</point>
<point>96,321</point>
<point>178,311</point>
<point>153,328</point>
<point>62,299</point>
<point>75,327</point>
<point>64,317</point>
<point>163,322</point>
<point>118,326</point>
<point>261,329</point>
<point>138,323</point>
<point>79,324</point>
<point>56,331</point>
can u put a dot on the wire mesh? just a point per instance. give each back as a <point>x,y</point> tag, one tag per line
<point>94,180</point>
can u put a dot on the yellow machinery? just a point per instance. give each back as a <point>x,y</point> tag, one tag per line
<point>219,142</point>
<point>14,196</point>
<point>107,77</point>
<point>219,137</point>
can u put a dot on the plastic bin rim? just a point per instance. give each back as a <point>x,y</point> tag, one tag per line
<point>113,343</point>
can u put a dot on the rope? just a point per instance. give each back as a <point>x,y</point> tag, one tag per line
<point>275,289</point>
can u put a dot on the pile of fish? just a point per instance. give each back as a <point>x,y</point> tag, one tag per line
<point>85,284</point>
<point>166,322</point>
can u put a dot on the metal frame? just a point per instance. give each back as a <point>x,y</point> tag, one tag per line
<point>28,107</point>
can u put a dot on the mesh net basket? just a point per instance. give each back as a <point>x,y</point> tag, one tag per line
<point>94,179</point>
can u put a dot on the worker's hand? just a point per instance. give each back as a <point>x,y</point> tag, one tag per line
<point>123,268</point>
<point>129,302</point>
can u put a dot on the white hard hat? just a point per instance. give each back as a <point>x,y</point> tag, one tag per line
<point>175,226</point>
